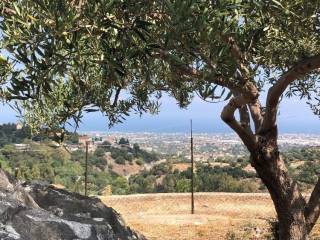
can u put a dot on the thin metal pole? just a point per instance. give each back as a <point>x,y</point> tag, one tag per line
<point>86,172</point>
<point>192,172</point>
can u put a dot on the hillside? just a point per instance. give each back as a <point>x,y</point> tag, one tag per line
<point>130,170</point>
<point>53,163</point>
<point>127,168</point>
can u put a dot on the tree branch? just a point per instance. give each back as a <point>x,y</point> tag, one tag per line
<point>244,115</point>
<point>167,56</point>
<point>116,97</point>
<point>208,61</point>
<point>227,116</point>
<point>238,55</point>
<point>245,118</point>
<point>190,71</point>
<point>299,70</point>
<point>312,209</point>
<point>255,106</point>
<point>256,114</point>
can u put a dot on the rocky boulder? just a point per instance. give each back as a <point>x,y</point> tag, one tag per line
<point>41,212</point>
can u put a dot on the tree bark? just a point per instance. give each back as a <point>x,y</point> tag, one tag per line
<point>312,210</point>
<point>285,194</point>
<point>295,218</point>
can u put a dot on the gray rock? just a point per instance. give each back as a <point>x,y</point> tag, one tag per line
<point>33,211</point>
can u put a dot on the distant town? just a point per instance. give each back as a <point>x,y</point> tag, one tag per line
<point>206,146</point>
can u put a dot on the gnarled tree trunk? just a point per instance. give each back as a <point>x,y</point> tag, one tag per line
<point>296,217</point>
<point>287,199</point>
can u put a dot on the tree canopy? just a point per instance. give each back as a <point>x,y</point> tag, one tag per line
<point>74,56</point>
<point>119,56</point>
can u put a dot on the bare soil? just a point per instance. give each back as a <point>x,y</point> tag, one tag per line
<point>126,169</point>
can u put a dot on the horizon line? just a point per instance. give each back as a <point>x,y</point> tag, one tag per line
<point>181,132</point>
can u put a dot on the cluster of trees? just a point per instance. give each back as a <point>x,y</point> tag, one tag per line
<point>301,154</point>
<point>302,162</point>
<point>123,141</point>
<point>226,179</point>
<point>10,134</point>
<point>162,178</point>
<point>71,138</point>
<point>307,171</point>
<point>124,153</point>
<point>56,165</point>
<point>232,178</point>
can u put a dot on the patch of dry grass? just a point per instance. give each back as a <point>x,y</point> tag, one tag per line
<point>217,215</point>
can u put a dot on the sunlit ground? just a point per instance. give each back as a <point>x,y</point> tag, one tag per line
<point>217,215</point>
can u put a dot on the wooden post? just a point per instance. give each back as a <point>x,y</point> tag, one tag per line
<point>192,172</point>
<point>86,172</point>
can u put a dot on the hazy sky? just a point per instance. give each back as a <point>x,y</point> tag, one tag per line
<point>295,117</point>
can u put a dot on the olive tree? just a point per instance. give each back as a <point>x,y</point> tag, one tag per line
<point>61,58</point>
<point>66,57</point>
<point>247,47</point>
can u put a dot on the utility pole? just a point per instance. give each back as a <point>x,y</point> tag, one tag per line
<point>192,172</point>
<point>86,171</point>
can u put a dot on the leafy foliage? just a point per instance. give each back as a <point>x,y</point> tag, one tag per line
<point>162,178</point>
<point>10,134</point>
<point>56,165</point>
<point>123,141</point>
<point>73,57</point>
<point>123,152</point>
<point>67,57</point>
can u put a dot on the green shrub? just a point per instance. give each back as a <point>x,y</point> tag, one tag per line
<point>139,162</point>
<point>120,160</point>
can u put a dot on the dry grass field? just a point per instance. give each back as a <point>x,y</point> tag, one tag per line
<point>217,215</point>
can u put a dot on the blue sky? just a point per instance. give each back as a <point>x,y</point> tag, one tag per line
<point>295,117</point>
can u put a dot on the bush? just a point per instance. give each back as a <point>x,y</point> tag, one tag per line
<point>120,160</point>
<point>139,162</point>
<point>161,169</point>
<point>169,183</point>
<point>224,183</point>
<point>183,185</point>
<point>123,141</point>
<point>309,173</point>
<point>142,183</point>
<point>99,152</point>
